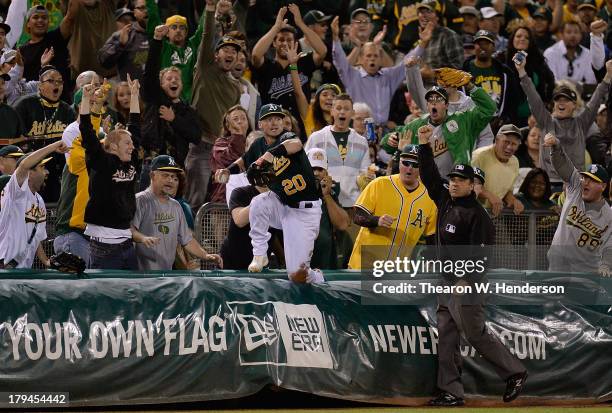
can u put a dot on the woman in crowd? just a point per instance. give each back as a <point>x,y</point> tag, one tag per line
<point>228,147</point>
<point>535,191</point>
<point>528,153</point>
<point>121,102</point>
<point>521,39</point>
<point>318,114</point>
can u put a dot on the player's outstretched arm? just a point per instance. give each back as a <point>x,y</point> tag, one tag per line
<point>34,158</point>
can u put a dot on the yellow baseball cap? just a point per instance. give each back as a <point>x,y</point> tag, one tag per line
<point>176,19</point>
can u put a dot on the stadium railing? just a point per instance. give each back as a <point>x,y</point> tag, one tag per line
<point>527,236</point>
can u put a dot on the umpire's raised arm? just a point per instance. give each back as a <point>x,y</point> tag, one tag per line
<point>430,176</point>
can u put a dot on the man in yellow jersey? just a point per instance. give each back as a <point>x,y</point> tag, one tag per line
<point>394,212</point>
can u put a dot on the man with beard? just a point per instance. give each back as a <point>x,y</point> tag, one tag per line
<point>214,92</point>
<point>42,40</point>
<point>454,135</point>
<point>23,216</point>
<point>169,123</point>
<point>273,76</point>
<point>394,212</point>
<point>583,240</point>
<point>159,224</point>
<point>493,76</point>
<point>177,50</point>
<point>44,117</point>
<point>127,49</point>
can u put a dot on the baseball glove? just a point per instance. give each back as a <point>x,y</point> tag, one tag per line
<point>67,262</point>
<point>449,77</point>
<point>261,173</point>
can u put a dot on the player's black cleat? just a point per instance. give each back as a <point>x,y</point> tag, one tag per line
<point>514,385</point>
<point>446,400</point>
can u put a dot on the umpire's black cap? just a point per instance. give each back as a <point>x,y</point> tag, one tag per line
<point>462,170</point>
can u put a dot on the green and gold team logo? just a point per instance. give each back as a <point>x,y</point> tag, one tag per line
<point>164,229</point>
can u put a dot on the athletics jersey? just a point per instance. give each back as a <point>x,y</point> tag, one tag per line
<point>43,120</point>
<point>295,180</point>
<point>164,220</point>
<point>415,215</point>
<point>583,238</point>
<point>22,223</point>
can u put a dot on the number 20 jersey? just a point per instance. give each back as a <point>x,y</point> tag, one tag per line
<point>295,181</point>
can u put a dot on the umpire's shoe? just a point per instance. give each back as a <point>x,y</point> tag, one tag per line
<point>514,385</point>
<point>258,263</point>
<point>446,400</point>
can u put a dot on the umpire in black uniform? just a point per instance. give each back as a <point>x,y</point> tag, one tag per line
<point>462,221</point>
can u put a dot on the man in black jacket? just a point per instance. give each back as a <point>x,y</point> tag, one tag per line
<point>112,199</point>
<point>462,225</point>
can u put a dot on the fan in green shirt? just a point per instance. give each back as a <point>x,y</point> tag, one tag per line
<point>177,49</point>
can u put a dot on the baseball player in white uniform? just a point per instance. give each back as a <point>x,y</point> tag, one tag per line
<point>23,215</point>
<point>293,204</point>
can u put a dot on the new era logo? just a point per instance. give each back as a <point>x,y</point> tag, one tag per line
<point>281,334</point>
<point>459,167</point>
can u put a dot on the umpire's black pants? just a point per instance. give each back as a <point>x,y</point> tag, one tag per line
<point>454,319</point>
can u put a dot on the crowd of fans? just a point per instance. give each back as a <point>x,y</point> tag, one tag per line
<point>155,102</point>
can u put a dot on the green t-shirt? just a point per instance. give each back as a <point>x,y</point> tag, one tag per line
<point>342,142</point>
<point>490,80</point>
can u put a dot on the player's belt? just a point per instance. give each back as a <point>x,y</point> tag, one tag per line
<point>304,204</point>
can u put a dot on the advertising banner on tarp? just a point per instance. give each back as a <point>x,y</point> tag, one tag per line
<point>155,340</point>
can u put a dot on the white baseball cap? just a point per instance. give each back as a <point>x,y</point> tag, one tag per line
<point>489,12</point>
<point>317,158</point>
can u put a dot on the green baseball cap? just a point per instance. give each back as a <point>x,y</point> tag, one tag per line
<point>11,151</point>
<point>597,172</point>
<point>410,151</point>
<point>271,109</point>
<point>165,163</point>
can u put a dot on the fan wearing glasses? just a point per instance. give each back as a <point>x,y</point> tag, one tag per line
<point>454,134</point>
<point>23,215</point>
<point>394,212</point>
